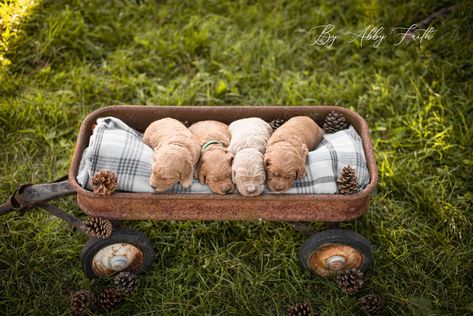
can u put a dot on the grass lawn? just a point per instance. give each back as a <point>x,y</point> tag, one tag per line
<point>61,60</point>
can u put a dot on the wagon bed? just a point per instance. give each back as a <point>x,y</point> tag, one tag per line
<point>166,206</point>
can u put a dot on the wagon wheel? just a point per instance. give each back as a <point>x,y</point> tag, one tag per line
<point>124,250</point>
<point>334,250</point>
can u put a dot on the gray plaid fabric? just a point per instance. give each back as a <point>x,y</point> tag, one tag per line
<point>326,162</point>
<point>116,147</point>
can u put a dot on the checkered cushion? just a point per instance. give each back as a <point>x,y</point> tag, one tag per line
<point>116,147</point>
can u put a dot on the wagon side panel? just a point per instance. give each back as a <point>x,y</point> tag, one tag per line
<point>218,209</point>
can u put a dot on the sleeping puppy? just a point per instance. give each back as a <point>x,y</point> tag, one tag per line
<point>248,144</point>
<point>287,151</point>
<point>176,152</point>
<point>215,164</point>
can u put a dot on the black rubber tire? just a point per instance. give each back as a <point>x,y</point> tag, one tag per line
<point>336,236</point>
<point>121,235</point>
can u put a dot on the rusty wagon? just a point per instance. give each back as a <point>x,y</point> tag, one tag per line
<point>322,253</point>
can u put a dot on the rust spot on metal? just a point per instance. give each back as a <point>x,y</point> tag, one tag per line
<point>136,263</point>
<point>318,259</point>
<point>103,261</point>
<point>147,206</point>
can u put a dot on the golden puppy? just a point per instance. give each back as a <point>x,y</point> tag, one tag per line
<point>287,151</point>
<point>215,164</point>
<point>176,152</point>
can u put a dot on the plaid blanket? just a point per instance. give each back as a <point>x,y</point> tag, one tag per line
<point>116,147</point>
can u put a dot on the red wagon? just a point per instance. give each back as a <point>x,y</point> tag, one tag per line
<point>125,249</point>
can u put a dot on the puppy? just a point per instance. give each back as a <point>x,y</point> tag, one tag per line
<point>176,152</point>
<point>215,164</point>
<point>248,144</point>
<point>287,151</point>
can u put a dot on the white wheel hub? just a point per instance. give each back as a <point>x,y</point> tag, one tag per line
<point>335,263</point>
<point>118,263</point>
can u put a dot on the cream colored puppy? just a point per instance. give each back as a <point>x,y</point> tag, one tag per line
<point>248,144</point>
<point>287,150</point>
<point>176,152</point>
<point>215,164</point>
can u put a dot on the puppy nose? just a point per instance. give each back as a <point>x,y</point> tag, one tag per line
<point>251,189</point>
<point>279,187</point>
<point>228,188</point>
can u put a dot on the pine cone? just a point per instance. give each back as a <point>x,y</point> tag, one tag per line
<point>126,282</point>
<point>277,122</point>
<point>372,305</point>
<point>110,299</point>
<point>350,281</point>
<point>301,309</point>
<point>334,122</point>
<point>104,182</point>
<point>347,182</point>
<point>97,227</point>
<point>83,302</point>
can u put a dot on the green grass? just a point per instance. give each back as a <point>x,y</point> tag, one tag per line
<point>68,58</point>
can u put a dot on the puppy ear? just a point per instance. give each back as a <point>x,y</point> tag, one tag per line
<point>300,172</point>
<point>202,174</point>
<point>233,175</point>
<point>304,151</point>
<point>267,161</point>
<point>154,167</point>
<point>187,174</point>
<point>230,157</point>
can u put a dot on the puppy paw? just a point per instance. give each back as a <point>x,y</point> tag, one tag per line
<point>186,184</point>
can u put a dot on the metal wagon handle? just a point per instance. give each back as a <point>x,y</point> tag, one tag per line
<point>27,196</point>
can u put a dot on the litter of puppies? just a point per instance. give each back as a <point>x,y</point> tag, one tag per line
<point>240,155</point>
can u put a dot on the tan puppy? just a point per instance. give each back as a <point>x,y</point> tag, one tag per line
<point>176,152</point>
<point>287,151</point>
<point>215,164</point>
<point>249,138</point>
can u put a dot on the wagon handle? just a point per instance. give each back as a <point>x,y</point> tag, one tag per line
<point>69,218</point>
<point>27,196</point>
